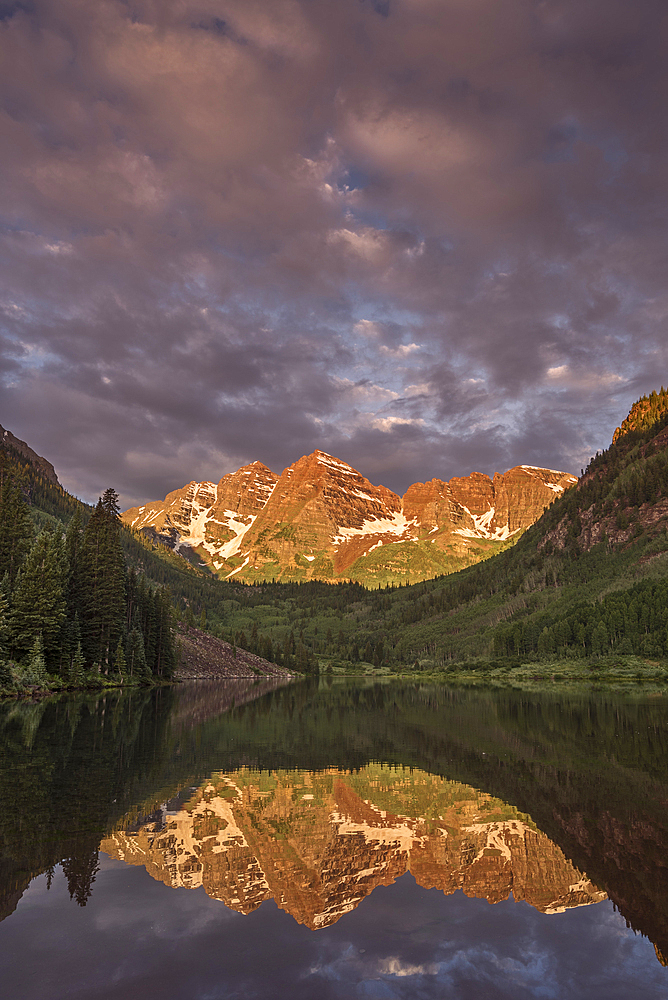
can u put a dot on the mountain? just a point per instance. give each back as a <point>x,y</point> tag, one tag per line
<point>319,843</point>
<point>586,586</point>
<point>9,443</point>
<point>321,519</point>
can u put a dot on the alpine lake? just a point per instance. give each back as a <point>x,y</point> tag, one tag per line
<point>335,839</point>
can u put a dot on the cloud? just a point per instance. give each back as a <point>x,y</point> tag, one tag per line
<point>217,214</point>
<point>401,351</point>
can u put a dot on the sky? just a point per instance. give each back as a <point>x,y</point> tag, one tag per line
<point>139,938</point>
<point>425,236</point>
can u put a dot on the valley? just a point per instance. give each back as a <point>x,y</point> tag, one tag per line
<point>577,589</point>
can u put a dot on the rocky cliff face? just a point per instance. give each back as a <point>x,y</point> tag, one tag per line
<point>322,519</point>
<point>318,843</point>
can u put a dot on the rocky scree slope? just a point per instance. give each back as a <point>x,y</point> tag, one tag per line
<point>202,655</point>
<point>321,519</point>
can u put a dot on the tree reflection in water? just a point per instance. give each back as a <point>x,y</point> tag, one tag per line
<point>490,792</point>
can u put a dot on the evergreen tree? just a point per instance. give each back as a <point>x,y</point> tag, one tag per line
<point>131,597</point>
<point>77,666</point>
<point>74,539</point>
<point>119,659</point>
<point>164,658</point>
<point>38,601</point>
<point>136,660</point>
<point>109,501</point>
<point>103,578</point>
<point>36,670</point>
<point>6,680</point>
<point>4,622</point>
<point>80,872</point>
<point>16,531</point>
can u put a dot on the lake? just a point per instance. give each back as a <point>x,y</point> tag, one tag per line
<point>335,840</point>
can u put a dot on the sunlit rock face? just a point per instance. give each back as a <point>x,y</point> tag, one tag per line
<point>318,843</point>
<point>321,519</point>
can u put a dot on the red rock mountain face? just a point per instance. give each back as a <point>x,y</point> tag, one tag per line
<point>323,520</point>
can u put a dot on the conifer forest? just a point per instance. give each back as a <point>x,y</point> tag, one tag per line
<point>71,612</point>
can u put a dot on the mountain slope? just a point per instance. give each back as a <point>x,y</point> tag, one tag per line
<point>589,578</point>
<point>321,519</point>
<point>48,502</point>
<point>13,444</point>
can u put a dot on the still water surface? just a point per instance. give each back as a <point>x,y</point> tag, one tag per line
<point>335,841</point>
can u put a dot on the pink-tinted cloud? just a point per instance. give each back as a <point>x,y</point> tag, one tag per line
<point>426,235</point>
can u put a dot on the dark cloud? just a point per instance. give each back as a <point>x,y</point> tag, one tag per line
<point>425,235</point>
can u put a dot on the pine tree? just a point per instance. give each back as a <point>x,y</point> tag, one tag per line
<point>103,577</point>
<point>80,872</point>
<point>131,597</point>
<point>77,666</point>
<point>119,659</point>
<point>6,680</point>
<point>164,659</point>
<point>36,670</point>
<point>4,622</point>
<point>16,531</point>
<point>136,659</point>
<point>38,601</point>
<point>109,501</point>
<point>74,539</point>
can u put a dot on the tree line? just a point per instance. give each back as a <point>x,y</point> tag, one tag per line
<point>69,607</point>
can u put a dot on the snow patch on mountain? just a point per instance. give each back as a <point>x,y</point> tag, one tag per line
<point>398,525</point>
<point>482,527</point>
<point>239,568</point>
<point>334,463</point>
<point>558,487</point>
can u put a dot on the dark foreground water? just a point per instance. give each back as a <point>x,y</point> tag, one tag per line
<point>336,841</point>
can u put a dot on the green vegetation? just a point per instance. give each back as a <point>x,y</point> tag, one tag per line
<point>71,614</point>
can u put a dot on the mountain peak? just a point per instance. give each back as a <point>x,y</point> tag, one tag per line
<point>319,457</point>
<point>323,519</point>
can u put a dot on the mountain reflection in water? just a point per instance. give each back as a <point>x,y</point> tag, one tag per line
<point>315,795</point>
<point>318,843</point>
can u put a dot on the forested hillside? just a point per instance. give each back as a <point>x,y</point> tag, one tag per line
<point>69,607</point>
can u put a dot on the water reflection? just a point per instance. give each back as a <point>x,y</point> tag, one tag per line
<point>319,843</point>
<point>259,793</point>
